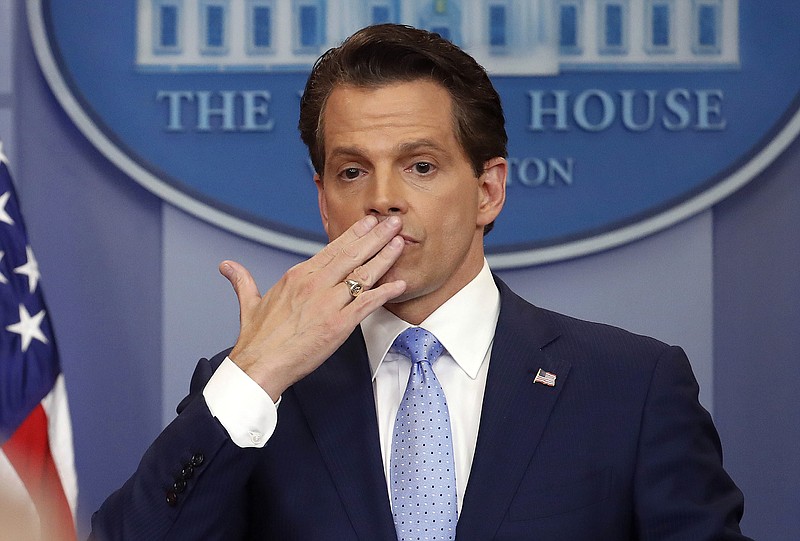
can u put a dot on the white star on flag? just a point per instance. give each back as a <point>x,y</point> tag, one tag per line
<point>3,279</point>
<point>4,217</point>
<point>3,157</point>
<point>30,269</point>
<point>28,327</point>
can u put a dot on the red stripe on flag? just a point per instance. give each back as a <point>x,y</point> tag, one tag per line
<point>28,451</point>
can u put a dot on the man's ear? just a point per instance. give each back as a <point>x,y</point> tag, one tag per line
<point>323,204</point>
<point>492,186</point>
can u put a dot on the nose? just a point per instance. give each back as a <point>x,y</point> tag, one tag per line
<point>386,195</point>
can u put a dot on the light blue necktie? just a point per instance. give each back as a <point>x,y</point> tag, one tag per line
<point>422,466</point>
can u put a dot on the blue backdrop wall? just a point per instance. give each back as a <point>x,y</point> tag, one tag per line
<point>135,298</point>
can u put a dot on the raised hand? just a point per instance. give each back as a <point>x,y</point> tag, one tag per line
<point>310,311</point>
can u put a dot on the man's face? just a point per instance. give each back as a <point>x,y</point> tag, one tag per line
<point>393,151</point>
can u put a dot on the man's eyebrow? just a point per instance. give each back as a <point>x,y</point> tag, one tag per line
<point>353,151</point>
<point>420,144</point>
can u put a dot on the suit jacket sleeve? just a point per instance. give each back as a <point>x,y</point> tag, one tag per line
<point>189,484</point>
<point>681,490</point>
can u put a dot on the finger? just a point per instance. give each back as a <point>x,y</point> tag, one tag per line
<point>244,285</point>
<point>371,300</point>
<point>353,233</point>
<point>361,250</point>
<point>372,270</point>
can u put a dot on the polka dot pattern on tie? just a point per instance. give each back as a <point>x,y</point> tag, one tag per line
<point>422,466</point>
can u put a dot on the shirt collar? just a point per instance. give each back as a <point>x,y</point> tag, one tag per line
<point>464,324</point>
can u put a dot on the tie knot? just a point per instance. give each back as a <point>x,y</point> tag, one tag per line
<point>418,345</point>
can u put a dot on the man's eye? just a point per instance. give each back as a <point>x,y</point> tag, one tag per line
<point>351,173</point>
<point>423,168</point>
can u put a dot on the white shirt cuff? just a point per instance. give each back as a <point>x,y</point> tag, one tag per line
<point>241,405</point>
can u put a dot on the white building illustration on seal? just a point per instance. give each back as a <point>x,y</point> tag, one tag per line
<point>508,37</point>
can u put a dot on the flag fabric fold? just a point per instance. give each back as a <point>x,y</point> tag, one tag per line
<point>38,485</point>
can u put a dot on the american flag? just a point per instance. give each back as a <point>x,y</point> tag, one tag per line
<point>545,378</point>
<point>38,485</point>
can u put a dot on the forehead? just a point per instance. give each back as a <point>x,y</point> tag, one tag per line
<point>393,109</point>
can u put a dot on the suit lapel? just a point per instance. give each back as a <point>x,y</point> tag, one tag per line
<point>514,415</point>
<point>338,402</point>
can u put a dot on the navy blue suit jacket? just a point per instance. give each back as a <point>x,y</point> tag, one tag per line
<point>619,449</point>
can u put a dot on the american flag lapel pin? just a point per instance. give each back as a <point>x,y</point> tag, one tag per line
<point>545,378</point>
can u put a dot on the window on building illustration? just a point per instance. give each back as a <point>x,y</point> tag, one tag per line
<point>613,25</point>
<point>708,26</point>
<point>215,29</point>
<point>259,25</point>
<point>213,24</point>
<point>659,21</point>
<point>309,20</point>
<point>166,26</point>
<point>309,25</point>
<point>660,25</point>
<point>498,30</point>
<point>613,29</point>
<point>262,26</point>
<point>707,21</point>
<point>569,27</point>
<point>169,26</point>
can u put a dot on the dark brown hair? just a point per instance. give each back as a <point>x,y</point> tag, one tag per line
<point>388,53</point>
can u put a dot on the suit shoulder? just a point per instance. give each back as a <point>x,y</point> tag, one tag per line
<point>570,337</point>
<point>592,332</point>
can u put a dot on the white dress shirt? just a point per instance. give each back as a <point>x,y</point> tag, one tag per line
<point>465,326</point>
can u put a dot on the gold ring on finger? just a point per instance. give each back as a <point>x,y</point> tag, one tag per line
<point>355,287</point>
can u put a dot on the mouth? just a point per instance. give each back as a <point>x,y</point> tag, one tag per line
<point>408,240</point>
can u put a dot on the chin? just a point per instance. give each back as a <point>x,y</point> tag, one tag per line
<point>405,297</point>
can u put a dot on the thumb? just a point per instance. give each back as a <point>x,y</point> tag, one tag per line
<point>244,285</point>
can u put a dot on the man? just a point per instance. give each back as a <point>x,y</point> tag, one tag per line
<point>545,427</point>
